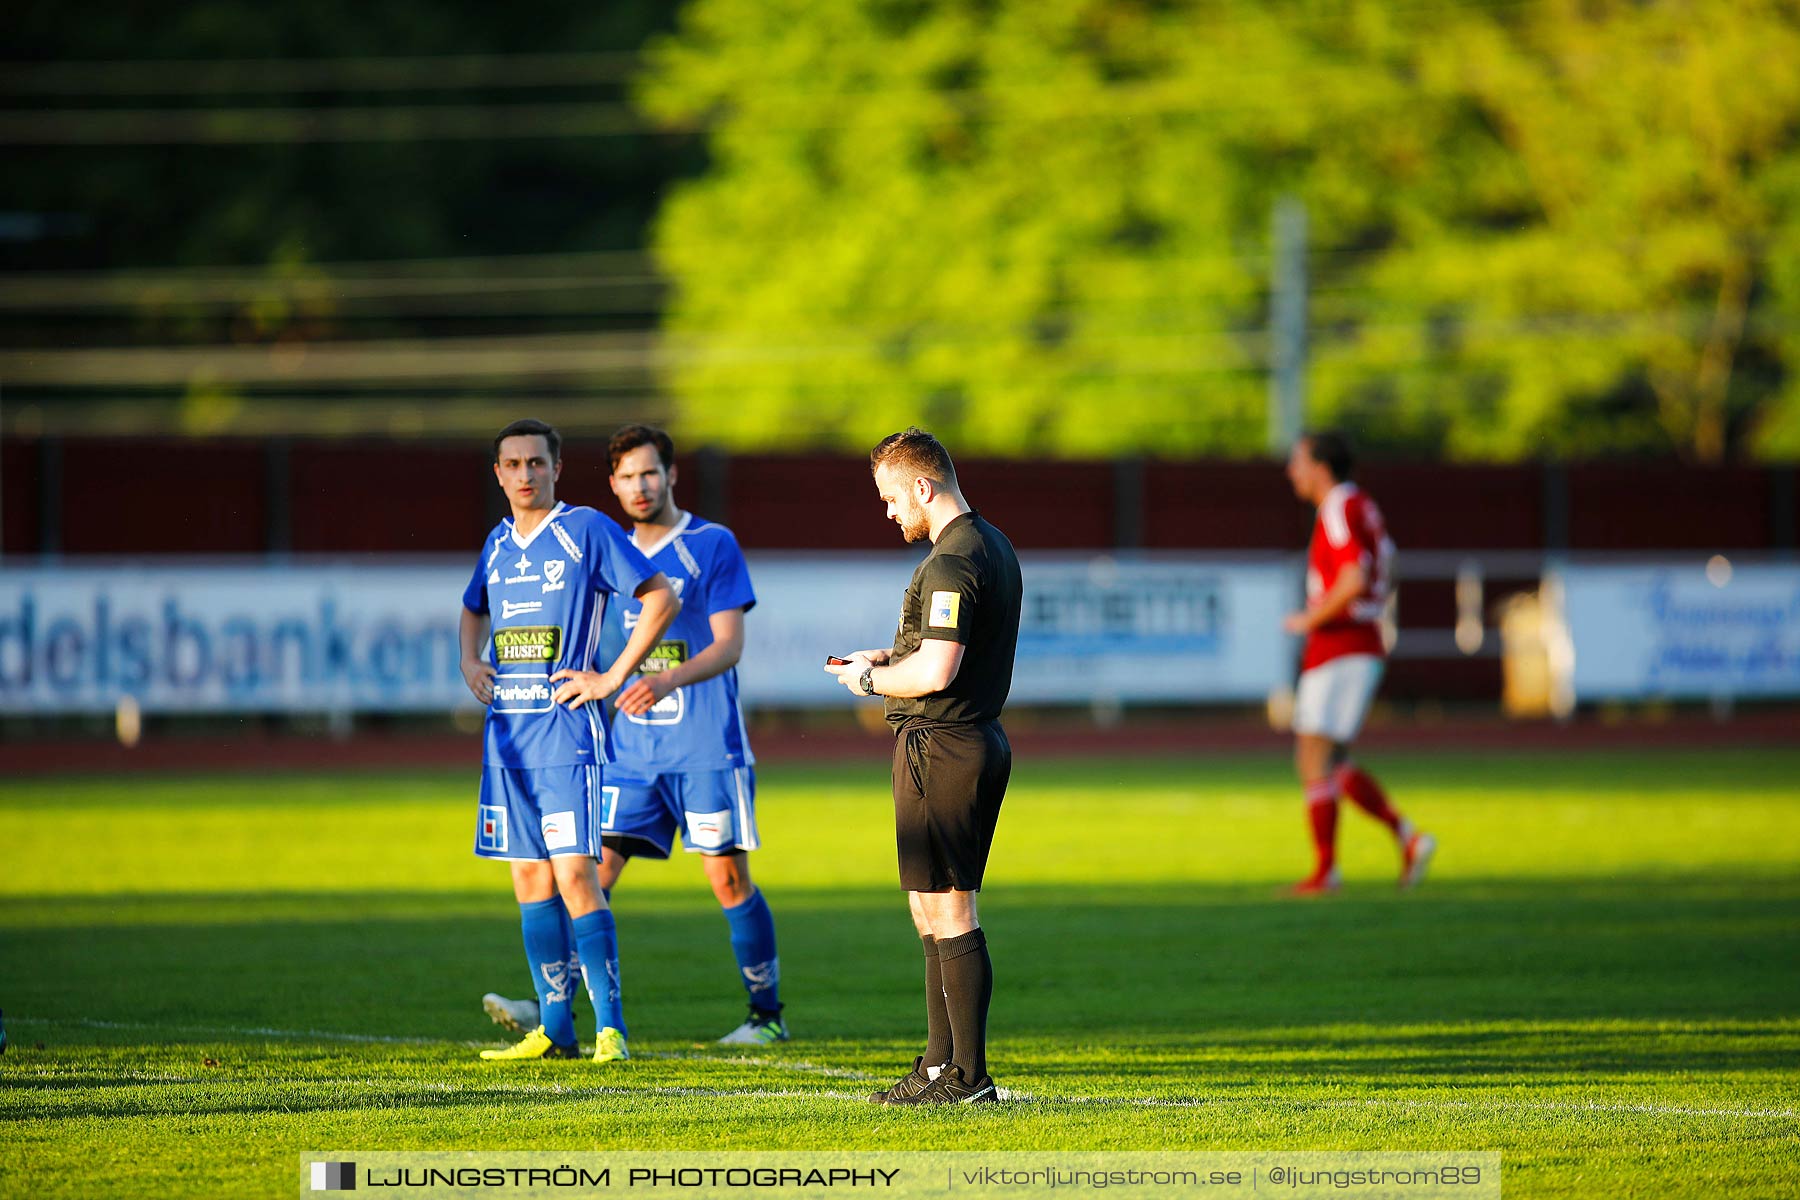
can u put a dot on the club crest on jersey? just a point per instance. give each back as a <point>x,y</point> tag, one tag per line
<point>522,566</point>
<point>944,608</point>
<point>553,574</point>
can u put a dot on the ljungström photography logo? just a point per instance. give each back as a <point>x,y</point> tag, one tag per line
<point>334,1177</point>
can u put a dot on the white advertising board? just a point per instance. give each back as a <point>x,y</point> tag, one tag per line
<point>362,637</point>
<point>1679,631</point>
<point>380,635</point>
<point>1125,629</point>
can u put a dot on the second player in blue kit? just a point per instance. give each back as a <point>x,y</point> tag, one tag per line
<point>682,760</point>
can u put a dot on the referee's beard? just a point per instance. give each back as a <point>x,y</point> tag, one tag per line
<point>915,522</point>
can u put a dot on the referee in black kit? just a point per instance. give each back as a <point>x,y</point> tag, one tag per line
<point>945,680</point>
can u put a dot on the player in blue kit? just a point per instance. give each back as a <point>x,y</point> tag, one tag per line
<point>683,761</point>
<point>541,587</point>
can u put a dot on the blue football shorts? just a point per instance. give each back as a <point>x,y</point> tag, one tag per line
<point>529,814</point>
<point>715,811</point>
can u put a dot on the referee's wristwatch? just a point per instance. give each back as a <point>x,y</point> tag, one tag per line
<point>867,680</point>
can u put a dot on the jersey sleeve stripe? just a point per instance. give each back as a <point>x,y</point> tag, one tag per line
<point>1331,515</point>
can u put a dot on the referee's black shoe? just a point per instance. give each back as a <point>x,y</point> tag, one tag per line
<point>951,1088</point>
<point>910,1085</point>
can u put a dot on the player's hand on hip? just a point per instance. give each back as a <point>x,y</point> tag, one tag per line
<point>1296,623</point>
<point>644,693</point>
<point>581,686</point>
<point>480,678</point>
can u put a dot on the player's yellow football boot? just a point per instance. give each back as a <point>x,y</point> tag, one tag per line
<point>536,1044</point>
<point>610,1046</point>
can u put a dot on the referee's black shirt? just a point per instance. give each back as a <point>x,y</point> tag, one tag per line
<point>967,590</point>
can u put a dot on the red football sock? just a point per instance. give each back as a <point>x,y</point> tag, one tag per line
<point>1321,811</point>
<point>1367,795</point>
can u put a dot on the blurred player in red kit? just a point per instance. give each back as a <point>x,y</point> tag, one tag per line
<point>1348,575</point>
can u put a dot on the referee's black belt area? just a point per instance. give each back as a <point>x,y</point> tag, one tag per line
<point>907,724</point>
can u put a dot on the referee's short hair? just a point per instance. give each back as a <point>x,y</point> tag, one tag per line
<point>630,437</point>
<point>1332,448</point>
<point>917,453</point>
<point>531,427</point>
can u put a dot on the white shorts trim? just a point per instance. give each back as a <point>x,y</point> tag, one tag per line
<point>1333,698</point>
<point>747,838</point>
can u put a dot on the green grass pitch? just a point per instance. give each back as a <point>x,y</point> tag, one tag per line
<point>1601,980</point>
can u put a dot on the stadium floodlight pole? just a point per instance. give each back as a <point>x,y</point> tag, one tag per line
<point>1287,325</point>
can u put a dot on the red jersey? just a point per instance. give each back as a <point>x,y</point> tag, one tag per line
<point>1349,529</point>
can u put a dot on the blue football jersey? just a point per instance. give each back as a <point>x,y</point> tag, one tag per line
<point>699,727</point>
<point>546,595</point>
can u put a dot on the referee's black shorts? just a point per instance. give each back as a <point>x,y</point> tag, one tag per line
<point>949,780</point>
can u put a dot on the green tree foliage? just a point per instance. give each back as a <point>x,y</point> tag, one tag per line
<point>1043,225</point>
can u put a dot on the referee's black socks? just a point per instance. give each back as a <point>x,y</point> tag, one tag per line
<point>968,976</point>
<point>937,1017</point>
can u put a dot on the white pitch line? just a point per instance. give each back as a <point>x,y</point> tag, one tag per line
<point>660,1090</point>
<point>780,1064</point>
<point>327,1035</point>
<point>1657,1110</point>
<point>584,1090</point>
<point>807,1068</point>
<point>322,1035</point>
<point>479,1090</point>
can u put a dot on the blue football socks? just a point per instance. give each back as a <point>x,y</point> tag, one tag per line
<point>574,955</point>
<point>753,941</point>
<point>597,941</point>
<point>546,953</point>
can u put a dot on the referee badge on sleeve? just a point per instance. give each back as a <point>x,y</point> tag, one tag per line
<point>944,609</point>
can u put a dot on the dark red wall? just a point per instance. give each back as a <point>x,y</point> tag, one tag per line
<point>19,517</point>
<point>1042,505</point>
<point>1666,507</point>
<point>154,497</point>
<point>366,497</point>
<point>1434,507</point>
<point>158,496</point>
<point>1222,506</point>
<point>792,503</point>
